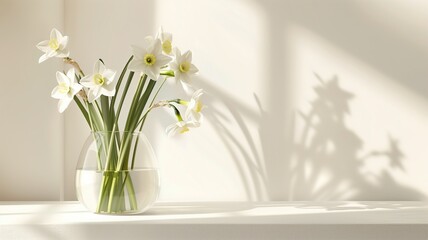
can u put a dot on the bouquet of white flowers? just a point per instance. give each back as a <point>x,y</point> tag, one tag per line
<point>96,95</point>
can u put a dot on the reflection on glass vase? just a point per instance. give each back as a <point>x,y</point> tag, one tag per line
<point>117,173</point>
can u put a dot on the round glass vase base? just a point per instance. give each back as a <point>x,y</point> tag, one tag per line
<point>135,191</point>
<point>117,174</point>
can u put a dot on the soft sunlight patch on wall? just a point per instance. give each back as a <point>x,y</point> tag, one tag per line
<point>375,122</point>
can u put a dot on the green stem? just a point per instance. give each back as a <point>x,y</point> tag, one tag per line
<point>107,182</point>
<point>106,113</point>
<point>142,103</point>
<point>119,83</point>
<point>143,120</point>
<point>134,103</point>
<point>119,109</point>
<point>82,109</point>
<point>132,124</point>
<point>124,151</point>
<point>130,186</point>
<point>169,73</point>
<point>93,129</point>
<point>131,115</point>
<point>112,192</point>
<point>137,107</point>
<point>102,204</point>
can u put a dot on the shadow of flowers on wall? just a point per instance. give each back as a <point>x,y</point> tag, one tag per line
<point>322,160</point>
<point>327,160</point>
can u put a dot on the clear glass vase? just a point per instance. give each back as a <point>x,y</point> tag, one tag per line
<point>117,173</point>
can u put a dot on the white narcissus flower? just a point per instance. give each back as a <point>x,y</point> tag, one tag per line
<point>101,82</point>
<point>166,41</point>
<point>195,106</point>
<point>66,89</point>
<point>182,66</point>
<point>180,127</point>
<point>149,59</point>
<point>56,46</point>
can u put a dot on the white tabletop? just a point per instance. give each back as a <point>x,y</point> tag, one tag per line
<point>268,220</point>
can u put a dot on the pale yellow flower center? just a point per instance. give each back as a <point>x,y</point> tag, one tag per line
<point>53,44</point>
<point>184,130</point>
<point>149,59</point>
<point>199,106</point>
<point>99,79</point>
<point>63,88</point>
<point>184,67</point>
<point>167,46</point>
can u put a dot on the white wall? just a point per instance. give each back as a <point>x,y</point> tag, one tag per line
<point>31,139</point>
<point>308,100</point>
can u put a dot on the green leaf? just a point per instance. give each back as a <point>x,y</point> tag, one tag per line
<point>142,103</point>
<point>119,83</point>
<point>134,103</point>
<point>108,120</point>
<point>122,99</point>
<point>82,109</point>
